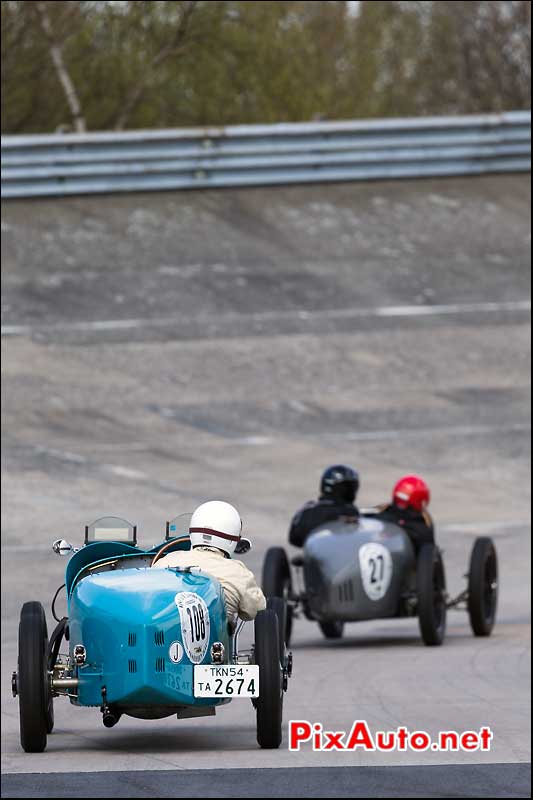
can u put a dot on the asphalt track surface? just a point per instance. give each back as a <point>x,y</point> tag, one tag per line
<point>159,350</point>
<point>497,780</point>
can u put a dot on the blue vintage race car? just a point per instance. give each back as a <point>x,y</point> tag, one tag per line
<point>147,643</point>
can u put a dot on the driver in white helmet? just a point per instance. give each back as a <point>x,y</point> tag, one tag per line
<point>215,530</point>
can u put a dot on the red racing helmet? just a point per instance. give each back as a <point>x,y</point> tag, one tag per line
<point>411,491</point>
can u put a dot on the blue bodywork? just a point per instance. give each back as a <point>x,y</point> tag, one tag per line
<point>125,615</point>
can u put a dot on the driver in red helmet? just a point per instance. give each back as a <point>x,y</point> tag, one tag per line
<point>410,499</point>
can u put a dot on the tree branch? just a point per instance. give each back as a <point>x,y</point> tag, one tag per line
<point>56,54</point>
<point>138,91</point>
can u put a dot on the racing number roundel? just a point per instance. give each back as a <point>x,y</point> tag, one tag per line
<point>376,569</point>
<point>175,652</point>
<point>195,625</point>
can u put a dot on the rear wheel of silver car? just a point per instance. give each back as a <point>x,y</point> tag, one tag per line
<point>279,606</point>
<point>277,582</point>
<point>35,701</point>
<point>332,629</point>
<point>269,704</point>
<point>431,583</point>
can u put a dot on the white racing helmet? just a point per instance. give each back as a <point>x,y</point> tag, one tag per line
<point>216,524</point>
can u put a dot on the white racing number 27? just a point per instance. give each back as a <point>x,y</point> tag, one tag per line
<point>375,563</point>
<point>195,625</point>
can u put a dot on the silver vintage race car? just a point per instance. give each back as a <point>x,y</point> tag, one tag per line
<point>368,569</point>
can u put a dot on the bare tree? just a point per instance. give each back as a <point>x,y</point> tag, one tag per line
<point>161,63</point>
<point>166,50</point>
<point>56,54</point>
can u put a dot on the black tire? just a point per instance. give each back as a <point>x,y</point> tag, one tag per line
<point>53,650</point>
<point>483,586</point>
<point>269,704</point>
<point>332,630</point>
<point>431,582</point>
<point>277,582</point>
<point>279,606</point>
<point>50,715</point>
<point>35,701</point>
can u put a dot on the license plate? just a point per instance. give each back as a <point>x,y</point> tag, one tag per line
<point>237,680</point>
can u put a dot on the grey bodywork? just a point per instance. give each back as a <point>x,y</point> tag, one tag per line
<point>333,582</point>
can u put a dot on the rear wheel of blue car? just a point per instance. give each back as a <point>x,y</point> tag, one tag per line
<point>35,701</point>
<point>269,704</point>
<point>431,594</point>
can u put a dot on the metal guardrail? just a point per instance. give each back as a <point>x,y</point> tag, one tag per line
<point>245,155</point>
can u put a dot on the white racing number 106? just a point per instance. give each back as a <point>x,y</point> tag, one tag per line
<point>195,625</point>
<point>197,622</point>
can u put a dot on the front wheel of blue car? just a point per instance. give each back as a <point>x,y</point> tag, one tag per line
<point>32,678</point>
<point>269,704</point>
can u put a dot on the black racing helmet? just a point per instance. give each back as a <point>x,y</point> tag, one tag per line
<point>339,483</point>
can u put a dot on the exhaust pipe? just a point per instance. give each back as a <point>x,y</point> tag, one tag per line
<point>64,683</point>
<point>110,718</point>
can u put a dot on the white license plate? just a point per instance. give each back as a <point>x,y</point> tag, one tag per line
<point>226,680</point>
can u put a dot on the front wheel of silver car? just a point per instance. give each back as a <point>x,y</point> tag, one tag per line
<point>431,583</point>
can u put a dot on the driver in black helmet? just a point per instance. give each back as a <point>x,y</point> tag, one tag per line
<point>338,490</point>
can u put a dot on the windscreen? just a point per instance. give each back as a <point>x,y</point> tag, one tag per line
<point>179,526</point>
<point>111,529</point>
